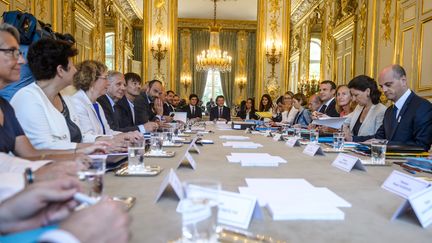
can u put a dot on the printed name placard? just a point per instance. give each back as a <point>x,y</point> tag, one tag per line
<point>187,159</point>
<point>347,162</point>
<point>421,204</point>
<point>292,142</point>
<point>403,185</point>
<point>236,126</point>
<point>194,146</point>
<point>171,180</point>
<point>313,149</point>
<point>277,137</point>
<point>237,210</point>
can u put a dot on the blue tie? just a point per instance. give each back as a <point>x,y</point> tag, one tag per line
<point>96,107</point>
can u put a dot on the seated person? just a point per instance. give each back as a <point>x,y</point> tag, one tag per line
<point>266,103</point>
<point>125,107</point>
<point>327,96</point>
<point>285,112</point>
<point>12,137</point>
<point>303,116</point>
<point>176,101</point>
<point>168,104</point>
<point>115,91</point>
<point>368,115</point>
<point>344,103</point>
<point>91,82</point>
<point>314,103</point>
<point>220,112</point>
<point>409,120</point>
<point>248,112</point>
<point>193,110</point>
<point>148,105</point>
<point>43,204</point>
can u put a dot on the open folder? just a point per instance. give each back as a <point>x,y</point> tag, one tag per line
<point>333,122</point>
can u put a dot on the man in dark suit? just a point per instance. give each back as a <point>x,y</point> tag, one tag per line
<point>409,120</point>
<point>168,104</point>
<point>193,110</point>
<point>327,96</point>
<point>115,92</point>
<point>220,112</point>
<point>147,105</point>
<point>124,108</point>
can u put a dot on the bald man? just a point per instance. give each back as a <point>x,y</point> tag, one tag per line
<point>409,120</point>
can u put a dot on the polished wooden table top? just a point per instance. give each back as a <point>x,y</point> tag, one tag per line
<point>368,220</point>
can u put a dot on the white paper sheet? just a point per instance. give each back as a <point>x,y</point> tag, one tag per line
<point>333,122</point>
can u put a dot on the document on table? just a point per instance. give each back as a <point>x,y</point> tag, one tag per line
<point>229,137</point>
<point>299,211</point>
<point>242,145</point>
<point>255,159</point>
<point>333,122</point>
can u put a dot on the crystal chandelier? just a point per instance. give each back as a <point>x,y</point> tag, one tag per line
<point>214,58</point>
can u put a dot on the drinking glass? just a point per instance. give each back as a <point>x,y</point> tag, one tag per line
<point>156,143</point>
<point>297,132</point>
<point>314,135</point>
<point>338,141</point>
<point>93,177</point>
<point>136,152</point>
<point>378,150</point>
<point>168,134</point>
<point>199,210</point>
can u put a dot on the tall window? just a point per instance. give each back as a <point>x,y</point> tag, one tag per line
<point>109,50</point>
<point>213,86</point>
<point>315,59</point>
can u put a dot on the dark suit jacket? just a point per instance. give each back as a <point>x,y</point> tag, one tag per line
<point>143,109</point>
<point>214,113</point>
<point>198,112</point>
<point>167,109</point>
<point>252,115</point>
<point>108,111</point>
<point>331,109</point>
<point>124,114</point>
<point>414,127</point>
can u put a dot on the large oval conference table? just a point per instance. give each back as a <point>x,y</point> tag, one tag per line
<point>368,220</point>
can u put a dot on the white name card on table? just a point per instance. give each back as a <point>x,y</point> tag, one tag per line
<point>313,149</point>
<point>278,137</point>
<point>194,146</point>
<point>292,142</point>
<point>237,209</point>
<point>403,185</point>
<point>171,180</point>
<point>187,159</point>
<point>419,202</point>
<point>348,162</point>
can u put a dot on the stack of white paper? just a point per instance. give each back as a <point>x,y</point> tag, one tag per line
<point>230,137</point>
<point>242,145</point>
<point>222,126</point>
<point>255,159</point>
<point>295,199</point>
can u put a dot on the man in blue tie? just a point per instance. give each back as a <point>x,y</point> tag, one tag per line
<point>409,120</point>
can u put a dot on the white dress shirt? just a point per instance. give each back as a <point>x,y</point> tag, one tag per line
<point>89,124</point>
<point>131,106</point>
<point>401,101</point>
<point>58,236</point>
<point>43,124</point>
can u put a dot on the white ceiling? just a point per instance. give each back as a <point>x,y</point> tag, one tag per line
<point>226,9</point>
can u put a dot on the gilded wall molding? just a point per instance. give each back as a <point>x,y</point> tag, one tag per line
<point>386,21</point>
<point>363,24</point>
<point>130,9</point>
<point>227,24</point>
<point>302,9</point>
<point>42,9</point>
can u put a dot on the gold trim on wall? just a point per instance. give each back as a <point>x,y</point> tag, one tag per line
<point>373,51</point>
<point>420,56</point>
<point>227,24</point>
<point>402,50</point>
<point>172,67</point>
<point>405,8</point>
<point>259,50</point>
<point>422,7</point>
<point>286,22</point>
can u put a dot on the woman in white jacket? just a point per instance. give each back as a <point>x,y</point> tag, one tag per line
<point>91,82</point>
<point>368,116</point>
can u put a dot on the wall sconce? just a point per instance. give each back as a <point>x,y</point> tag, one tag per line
<point>159,50</point>
<point>241,82</point>
<point>186,80</point>
<point>273,54</point>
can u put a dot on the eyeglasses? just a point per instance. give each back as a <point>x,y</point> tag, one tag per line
<point>16,53</point>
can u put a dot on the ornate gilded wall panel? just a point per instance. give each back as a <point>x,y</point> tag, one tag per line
<point>424,82</point>
<point>4,6</point>
<point>407,51</point>
<point>426,6</point>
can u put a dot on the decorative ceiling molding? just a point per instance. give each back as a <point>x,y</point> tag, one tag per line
<point>226,24</point>
<point>302,9</point>
<point>131,10</point>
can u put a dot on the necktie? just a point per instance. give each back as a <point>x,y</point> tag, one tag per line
<point>220,112</point>
<point>96,107</point>
<point>394,117</point>
<point>193,110</point>
<point>323,109</point>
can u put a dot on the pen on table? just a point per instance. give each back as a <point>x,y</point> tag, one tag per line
<point>82,198</point>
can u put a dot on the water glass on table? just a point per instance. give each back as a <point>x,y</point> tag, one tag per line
<point>199,210</point>
<point>136,150</point>
<point>93,177</point>
<point>156,143</point>
<point>338,141</point>
<point>314,135</point>
<point>378,150</point>
<point>168,134</point>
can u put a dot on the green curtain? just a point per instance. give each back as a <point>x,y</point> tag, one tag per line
<point>199,41</point>
<point>179,63</point>
<point>251,65</point>
<point>228,42</point>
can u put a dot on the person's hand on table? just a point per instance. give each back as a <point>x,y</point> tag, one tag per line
<point>59,170</point>
<point>38,205</point>
<point>99,147</point>
<point>316,115</point>
<point>106,221</point>
<point>151,126</point>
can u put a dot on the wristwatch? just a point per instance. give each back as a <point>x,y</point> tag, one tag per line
<point>29,176</point>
